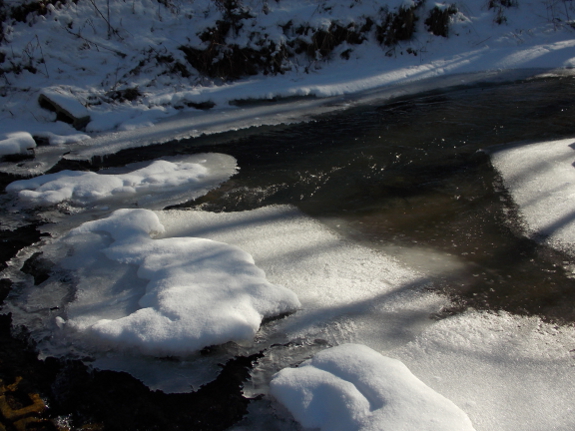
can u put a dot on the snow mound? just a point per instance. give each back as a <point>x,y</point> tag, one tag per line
<point>541,179</point>
<point>352,387</point>
<point>194,176</point>
<point>199,292</point>
<point>16,143</point>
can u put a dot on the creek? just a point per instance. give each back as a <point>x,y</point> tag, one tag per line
<point>409,178</point>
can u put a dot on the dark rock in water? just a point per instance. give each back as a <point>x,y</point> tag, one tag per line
<point>108,400</point>
<point>15,240</point>
<point>6,179</point>
<point>121,402</point>
<point>5,286</point>
<point>24,384</point>
<point>38,267</point>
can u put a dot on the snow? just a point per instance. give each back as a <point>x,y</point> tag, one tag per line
<point>199,292</point>
<point>347,292</point>
<point>138,281</point>
<point>74,53</point>
<point>541,180</point>
<point>503,371</point>
<point>193,177</point>
<point>16,143</point>
<point>352,387</point>
<point>66,101</point>
<point>357,292</point>
<point>481,360</point>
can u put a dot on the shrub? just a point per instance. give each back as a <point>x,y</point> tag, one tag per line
<point>38,7</point>
<point>438,20</point>
<point>397,26</point>
<point>499,6</point>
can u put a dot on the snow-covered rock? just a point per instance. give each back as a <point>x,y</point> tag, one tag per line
<point>352,387</point>
<point>192,176</point>
<point>198,293</point>
<point>16,143</point>
<point>66,105</point>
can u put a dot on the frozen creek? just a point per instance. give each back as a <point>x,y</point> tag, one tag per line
<point>391,225</point>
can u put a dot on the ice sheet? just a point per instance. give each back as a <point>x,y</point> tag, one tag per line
<point>541,180</point>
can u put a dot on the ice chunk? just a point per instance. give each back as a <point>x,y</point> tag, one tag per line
<point>193,176</point>
<point>352,387</point>
<point>16,143</point>
<point>200,292</point>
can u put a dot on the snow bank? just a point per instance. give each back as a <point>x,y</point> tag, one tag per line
<point>138,76</point>
<point>193,176</point>
<point>541,179</point>
<point>16,143</point>
<point>352,387</point>
<point>199,292</point>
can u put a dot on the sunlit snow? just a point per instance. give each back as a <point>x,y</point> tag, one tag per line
<point>541,179</point>
<point>193,176</point>
<point>352,387</point>
<point>198,293</point>
<point>171,282</point>
<point>83,71</point>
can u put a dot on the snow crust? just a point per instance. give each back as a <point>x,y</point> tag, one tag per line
<point>541,179</point>
<point>199,292</point>
<point>352,387</point>
<point>348,293</point>
<point>506,372</point>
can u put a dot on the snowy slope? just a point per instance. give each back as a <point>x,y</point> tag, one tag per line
<point>131,71</point>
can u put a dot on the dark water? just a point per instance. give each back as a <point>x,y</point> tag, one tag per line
<point>413,172</point>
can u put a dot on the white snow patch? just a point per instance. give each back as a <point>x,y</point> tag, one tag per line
<point>192,176</point>
<point>352,387</point>
<point>541,179</point>
<point>16,143</point>
<point>506,372</point>
<point>199,292</point>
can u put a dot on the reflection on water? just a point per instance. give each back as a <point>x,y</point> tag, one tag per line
<point>410,177</point>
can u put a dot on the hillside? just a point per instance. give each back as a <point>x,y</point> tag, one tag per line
<point>124,65</point>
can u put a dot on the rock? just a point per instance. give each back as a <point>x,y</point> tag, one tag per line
<point>67,107</point>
